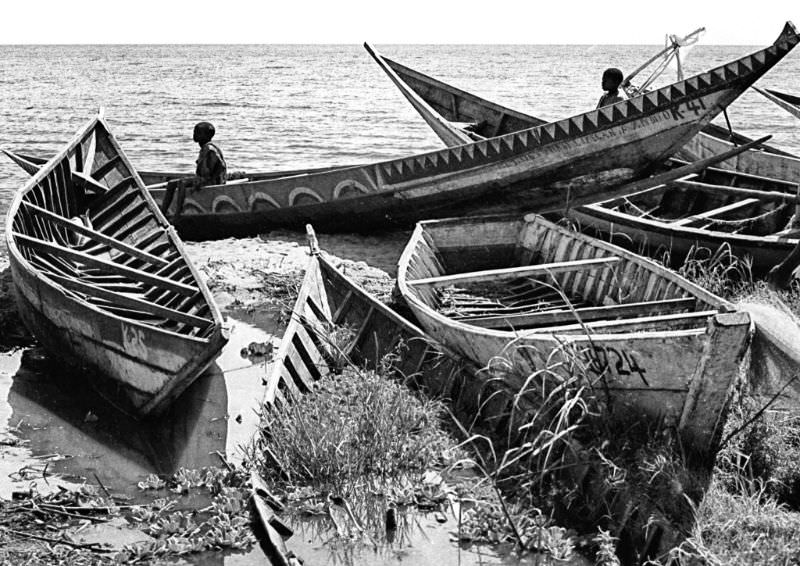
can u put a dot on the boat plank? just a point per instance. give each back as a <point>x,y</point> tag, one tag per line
<point>585,314</point>
<point>87,259</point>
<point>514,272</point>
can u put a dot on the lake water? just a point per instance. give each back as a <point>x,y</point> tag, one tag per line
<point>290,106</point>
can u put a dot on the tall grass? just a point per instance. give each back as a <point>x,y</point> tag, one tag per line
<point>354,427</point>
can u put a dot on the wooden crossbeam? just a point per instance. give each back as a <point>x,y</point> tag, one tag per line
<point>106,167</point>
<point>635,324</point>
<point>130,302</point>
<point>766,196</point>
<point>515,272</point>
<point>96,236</point>
<point>709,214</point>
<point>586,314</point>
<point>110,266</point>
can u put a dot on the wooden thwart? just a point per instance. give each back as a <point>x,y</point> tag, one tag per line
<point>131,302</point>
<point>98,237</point>
<point>89,182</point>
<point>635,324</point>
<point>120,269</point>
<point>514,272</point>
<point>768,196</point>
<point>709,214</point>
<point>585,314</point>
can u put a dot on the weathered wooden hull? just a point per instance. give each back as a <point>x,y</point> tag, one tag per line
<point>327,300</point>
<point>772,164</point>
<point>658,237</point>
<point>103,282</point>
<point>444,107</point>
<point>679,367</point>
<point>542,166</point>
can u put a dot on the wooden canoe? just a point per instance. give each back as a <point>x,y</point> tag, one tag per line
<point>752,229</point>
<point>103,281</point>
<point>522,170</point>
<point>455,114</point>
<point>328,301</point>
<point>788,102</point>
<point>750,215</point>
<point>156,180</point>
<point>525,293</point>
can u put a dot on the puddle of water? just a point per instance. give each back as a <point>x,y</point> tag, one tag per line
<point>69,431</point>
<point>420,539</point>
<point>70,434</point>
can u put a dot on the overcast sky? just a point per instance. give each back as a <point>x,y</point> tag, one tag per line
<point>736,22</point>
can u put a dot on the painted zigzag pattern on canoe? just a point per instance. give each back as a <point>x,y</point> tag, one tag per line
<point>665,98</point>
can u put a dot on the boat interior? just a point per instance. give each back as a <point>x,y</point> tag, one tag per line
<point>561,282</point>
<point>723,201</point>
<point>86,226</point>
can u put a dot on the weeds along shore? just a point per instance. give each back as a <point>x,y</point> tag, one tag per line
<point>552,474</point>
<point>546,473</point>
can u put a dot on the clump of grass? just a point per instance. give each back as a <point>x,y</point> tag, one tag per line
<point>719,271</point>
<point>743,527</point>
<point>568,453</point>
<point>766,451</point>
<point>353,427</point>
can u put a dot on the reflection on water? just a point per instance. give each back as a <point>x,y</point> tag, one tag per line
<point>69,434</point>
<point>420,538</point>
<point>68,431</point>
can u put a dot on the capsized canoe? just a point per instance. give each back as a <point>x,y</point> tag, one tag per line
<point>523,293</point>
<point>102,280</point>
<point>452,113</point>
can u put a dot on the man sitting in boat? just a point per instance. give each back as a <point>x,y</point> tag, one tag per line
<point>612,78</point>
<point>211,169</point>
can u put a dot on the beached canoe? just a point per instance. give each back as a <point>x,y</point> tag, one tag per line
<point>103,281</point>
<point>156,180</point>
<point>523,294</point>
<point>455,114</point>
<point>328,300</point>
<point>334,318</point>
<point>523,170</point>
<point>788,102</point>
<point>751,216</point>
<point>701,211</point>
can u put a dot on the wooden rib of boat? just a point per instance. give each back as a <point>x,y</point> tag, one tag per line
<point>102,280</point>
<point>523,293</point>
<point>702,211</point>
<point>540,166</point>
<point>370,333</point>
<point>452,113</point>
<point>328,300</point>
<point>788,102</point>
